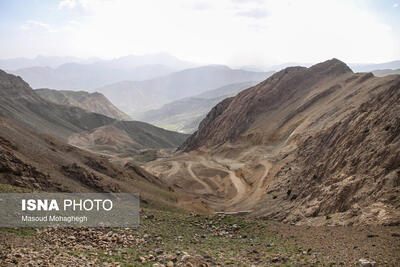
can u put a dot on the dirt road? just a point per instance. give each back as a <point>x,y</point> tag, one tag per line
<point>230,193</point>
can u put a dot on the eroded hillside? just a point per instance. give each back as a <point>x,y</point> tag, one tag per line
<point>40,162</point>
<point>349,171</point>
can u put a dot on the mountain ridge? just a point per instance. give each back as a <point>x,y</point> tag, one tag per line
<point>270,95</point>
<point>135,97</point>
<point>92,102</point>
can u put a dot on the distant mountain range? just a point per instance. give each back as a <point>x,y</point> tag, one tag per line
<point>136,97</point>
<point>184,115</point>
<point>385,72</point>
<point>41,61</point>
<point>75,75</point>
<point>356,67</point>
<point>372,67</point>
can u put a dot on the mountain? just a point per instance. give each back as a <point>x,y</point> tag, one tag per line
<point>135,97</point>
<point>134,61</point>
<point>349,171</point>
<point>385,72</point>
<point>77,76</point>
<point>184,115</point>
<point>271,101</point>
<point>316,146</point>
<point>275,67</point>
<point>375,66</point>
<point>230,89</point>
<point>356,67</point>
<point>74,76</point>
<point>126,139</point>
<point>39,162</point>
<point>41,61</point>
<point>20,103</point>
<point>92,102</point>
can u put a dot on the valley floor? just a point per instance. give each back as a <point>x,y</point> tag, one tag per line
<point>232,179</point>
<point>181,239</point>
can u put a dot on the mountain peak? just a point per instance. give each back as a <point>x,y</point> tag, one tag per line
<point>13,85</point>
<point>332,66</point>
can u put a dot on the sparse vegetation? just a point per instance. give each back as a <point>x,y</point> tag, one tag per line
<point>179,237</point>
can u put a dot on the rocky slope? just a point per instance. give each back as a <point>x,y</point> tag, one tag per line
<point>314,145</point>
<point>92,102</point>
<point>126,138</point>
<point>135,97</point>
<point>19,102</point>
<point>349,171</point>
<point>40,162</point>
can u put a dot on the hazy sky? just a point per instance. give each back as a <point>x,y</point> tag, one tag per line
<point>234,32</point>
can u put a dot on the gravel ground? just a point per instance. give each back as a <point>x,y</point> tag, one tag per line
<point>175,239</point>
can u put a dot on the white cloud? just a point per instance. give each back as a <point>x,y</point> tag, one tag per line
<point>255,13</point>
<point>67,4</point>
<point>34,24</point>
<point>247,1</point>
<point>395,5</point>
<point>226,31</point>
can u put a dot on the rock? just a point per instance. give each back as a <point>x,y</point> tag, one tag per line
<point>170,264</point>
<point>149,217</point>
<point>276,259</point>
<point>159,251</point>
<point>366,263</point>
<point>142,259</point>
<point>372,235</point>
<point>185,257</point>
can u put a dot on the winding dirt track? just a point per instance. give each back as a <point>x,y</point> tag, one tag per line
<point>230,193</point>
<point>206,186</point>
